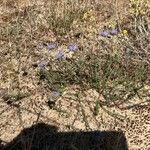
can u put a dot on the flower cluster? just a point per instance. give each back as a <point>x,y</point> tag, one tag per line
<point>106,33</point>
<point>60,54</point>
<point>71,48</point>
<point>89,15</point>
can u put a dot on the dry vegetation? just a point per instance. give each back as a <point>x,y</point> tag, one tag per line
<point>80,65</point>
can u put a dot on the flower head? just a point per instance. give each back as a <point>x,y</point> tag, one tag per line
<point>55,94</point>
<point>72,47</point>
<point>60,54</point>
<point>113,31</point>
<point>42,64</point>
<point>104,33</point>
<point>125,32</point>
<point>51,46</point>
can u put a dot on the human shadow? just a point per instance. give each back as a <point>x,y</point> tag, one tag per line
<point>45,137</point>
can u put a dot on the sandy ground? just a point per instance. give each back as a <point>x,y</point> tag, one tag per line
<point>75,115</point>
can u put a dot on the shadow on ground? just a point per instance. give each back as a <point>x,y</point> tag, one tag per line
<point>45,137</point>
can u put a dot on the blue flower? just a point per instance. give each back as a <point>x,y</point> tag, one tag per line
<point>42,64</point>
<point>51,46</point>
<point>60,54</point>
<point>72,47</point>
<point>114,31</point>
<point>55,94</point>
<point>104,33</point>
